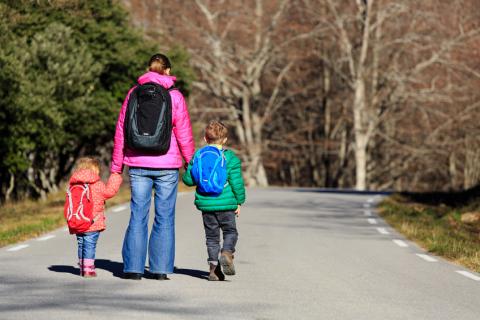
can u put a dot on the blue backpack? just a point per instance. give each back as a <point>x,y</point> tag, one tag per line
<point>209,171</point>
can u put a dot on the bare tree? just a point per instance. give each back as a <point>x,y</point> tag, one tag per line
<point>386,48</point>
<point>372,93</point>
<point>233,45</point>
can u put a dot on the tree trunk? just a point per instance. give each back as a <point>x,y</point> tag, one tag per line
<point>11,186</point>
<point>255,174</point>
<point>360,135</point>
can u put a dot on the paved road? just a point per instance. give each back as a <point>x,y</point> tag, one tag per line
<point>301,255</point>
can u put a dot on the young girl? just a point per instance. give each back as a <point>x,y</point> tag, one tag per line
<point>87,172</point>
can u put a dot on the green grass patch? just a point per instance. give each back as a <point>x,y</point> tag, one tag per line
<point>436,225</point>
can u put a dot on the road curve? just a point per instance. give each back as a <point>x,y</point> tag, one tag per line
<point>301,254</point>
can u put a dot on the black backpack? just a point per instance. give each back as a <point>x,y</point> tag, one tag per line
<point>148,120</point>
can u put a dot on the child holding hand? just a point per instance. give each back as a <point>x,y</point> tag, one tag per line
<point>86,176</point>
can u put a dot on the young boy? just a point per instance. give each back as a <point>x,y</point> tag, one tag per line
<point>219,211</point>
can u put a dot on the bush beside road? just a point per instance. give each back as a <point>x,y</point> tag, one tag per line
<point>447,225</point>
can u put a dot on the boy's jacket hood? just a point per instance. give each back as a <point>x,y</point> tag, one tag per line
<point>163,80</point>
<point>84,176</point>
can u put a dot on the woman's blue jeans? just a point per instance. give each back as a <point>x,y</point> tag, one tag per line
<point>161,246</point>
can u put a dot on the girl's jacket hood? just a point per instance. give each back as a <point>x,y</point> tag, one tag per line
<point>84,176</point>
<point>163,80</point>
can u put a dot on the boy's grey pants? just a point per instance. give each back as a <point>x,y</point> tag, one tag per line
<point>213,221</point>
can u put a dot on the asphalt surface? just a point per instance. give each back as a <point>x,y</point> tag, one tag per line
<point>301,255</point>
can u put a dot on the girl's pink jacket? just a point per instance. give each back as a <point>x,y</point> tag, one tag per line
<point>182,140</point>
<point>100,193</point>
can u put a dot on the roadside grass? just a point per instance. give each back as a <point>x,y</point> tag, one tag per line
<point>26,219</point>
<point>434,222</point>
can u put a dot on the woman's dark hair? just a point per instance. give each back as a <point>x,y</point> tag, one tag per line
<point>159,63</point>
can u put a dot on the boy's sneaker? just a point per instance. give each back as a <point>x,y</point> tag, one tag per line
<point>226,260</point>
<point>216,273</point>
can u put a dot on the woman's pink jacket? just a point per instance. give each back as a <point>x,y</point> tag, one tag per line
<point>182,140</point>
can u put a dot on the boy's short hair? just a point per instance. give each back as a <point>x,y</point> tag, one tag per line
<point>216,132</point>
<point>88,163</point>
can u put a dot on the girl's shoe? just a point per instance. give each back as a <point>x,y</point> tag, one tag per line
<point>89,274</point>
<point>216,273</point>
<point>226,260</point>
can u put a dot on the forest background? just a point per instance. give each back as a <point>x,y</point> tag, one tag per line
<point>375,94</point>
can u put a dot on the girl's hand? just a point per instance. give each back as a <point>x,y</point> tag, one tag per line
<point>237,212</point>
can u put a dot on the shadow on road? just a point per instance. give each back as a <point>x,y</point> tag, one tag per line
<point>344,191</point>
<point>116,268</point>
<point>192,273</point>
<point>65,269</point>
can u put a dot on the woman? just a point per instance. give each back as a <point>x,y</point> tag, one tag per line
<point>149,171</point>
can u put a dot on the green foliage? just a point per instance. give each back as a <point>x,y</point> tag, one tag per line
<point>65,67</point>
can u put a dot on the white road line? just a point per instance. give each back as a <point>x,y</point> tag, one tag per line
<point>120,208</point>
<point>400,243</point>
<point>372,221</point>
<point>383,231</point>
<point>366,205</point>
<point>468,275</point>
<point>50,236</point>
<point>19,247</point>
<point>371,200</point>
<point>426,257</point>
<point>368,213</point>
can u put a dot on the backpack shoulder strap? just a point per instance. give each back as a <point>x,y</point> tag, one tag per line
<point>173,88</point>
<point>70,203</point>
<point>88,190</point>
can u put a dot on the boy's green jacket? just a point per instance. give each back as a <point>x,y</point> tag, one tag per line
<point>232,195</point>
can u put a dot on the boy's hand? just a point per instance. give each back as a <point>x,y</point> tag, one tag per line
<point>237,212</point>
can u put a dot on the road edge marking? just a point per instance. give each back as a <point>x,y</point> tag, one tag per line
<point>372,221</point>
<point>120,208</point>
<point>468,275</point>
<point>47,237</point>
<point>383,231</point>
<point>426,257</point>
<point>19,247</point>
<point>400,243</point>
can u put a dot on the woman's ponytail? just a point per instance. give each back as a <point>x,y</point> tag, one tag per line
<point>159,63</point>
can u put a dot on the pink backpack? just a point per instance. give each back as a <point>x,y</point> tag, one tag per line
<point>78,209</point>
